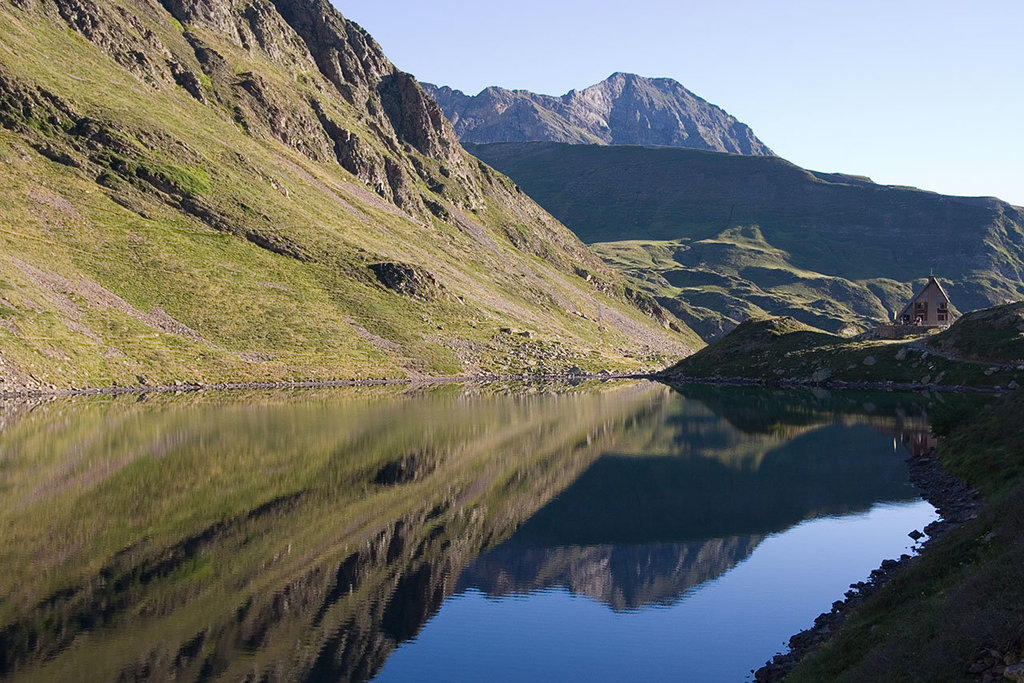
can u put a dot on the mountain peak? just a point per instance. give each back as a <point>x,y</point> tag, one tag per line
<point>623,109</point>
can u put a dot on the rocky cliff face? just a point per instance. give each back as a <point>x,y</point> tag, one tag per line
<point>624,109</point>
<point>161,155</point>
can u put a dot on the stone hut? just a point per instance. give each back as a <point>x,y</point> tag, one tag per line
<point>928,309</point>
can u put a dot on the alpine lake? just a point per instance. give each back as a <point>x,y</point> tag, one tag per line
<point>599,530</point>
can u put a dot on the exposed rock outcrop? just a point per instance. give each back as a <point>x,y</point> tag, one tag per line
<point>624,109</point>
<point>406,279</point>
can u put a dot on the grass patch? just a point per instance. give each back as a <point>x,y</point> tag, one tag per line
<point>993,334</point>
<point>784,349</point>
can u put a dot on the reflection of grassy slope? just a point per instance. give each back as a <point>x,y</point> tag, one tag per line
<point>778,349</point>
<point>635,500</point>
<point>720,237</point>
<point>274,282</point>
<point>966,594</point>
<point>254,530</point>
<point>728,436</point>
<point>764,410</point>
<point>692,429</point>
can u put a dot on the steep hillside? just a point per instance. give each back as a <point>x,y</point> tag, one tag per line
<point>199,190</point>
<point>722,237</point>
<point>623,109</point>
<point>981,349</point>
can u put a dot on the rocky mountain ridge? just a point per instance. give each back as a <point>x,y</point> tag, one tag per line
<point>624,109</point>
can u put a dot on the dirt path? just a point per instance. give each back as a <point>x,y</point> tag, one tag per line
<point>920,345</point>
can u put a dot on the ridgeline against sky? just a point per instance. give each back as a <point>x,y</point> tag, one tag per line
<point>917,93</point>
<point>623,109</point>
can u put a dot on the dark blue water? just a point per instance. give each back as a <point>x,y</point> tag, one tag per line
<point>717,630</point>
<point>607,531</point>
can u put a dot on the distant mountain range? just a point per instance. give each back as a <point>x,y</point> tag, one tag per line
<point>624,109</point>
<point>717,238</point>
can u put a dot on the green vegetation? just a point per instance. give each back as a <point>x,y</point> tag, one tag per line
<point>942,615</point>
<point>992,334</point>
<point>785,350</point>
<point>719,238</point>
<point>180,207</point>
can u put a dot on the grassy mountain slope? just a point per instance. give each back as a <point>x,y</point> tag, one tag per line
<point>719,238</point>
<point>210,189</point>
<point>992,334</point>
<point>982,348</point>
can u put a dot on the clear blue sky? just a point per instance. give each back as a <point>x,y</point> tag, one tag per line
<point>910,92</point>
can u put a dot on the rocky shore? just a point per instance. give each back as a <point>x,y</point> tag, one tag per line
<point>181,387</point>
<point>956,504</point>
<point>672,378</point>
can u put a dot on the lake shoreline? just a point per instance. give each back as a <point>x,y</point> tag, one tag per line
<point>956,502</point>
<point>661,377</point>
<point>183,387</point>
<point>828,384</point>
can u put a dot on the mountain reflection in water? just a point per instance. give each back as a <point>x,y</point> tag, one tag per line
<point>305,535</point>
<point>680,508</point>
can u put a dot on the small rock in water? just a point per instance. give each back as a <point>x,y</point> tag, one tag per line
<point>821,375</point>
<point>916,535</point>
<point>1014,672</point>
<point>870,360</point>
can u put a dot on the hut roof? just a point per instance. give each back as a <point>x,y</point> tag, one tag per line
<point>931,281</point>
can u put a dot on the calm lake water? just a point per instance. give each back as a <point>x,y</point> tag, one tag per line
<point>606,531</point>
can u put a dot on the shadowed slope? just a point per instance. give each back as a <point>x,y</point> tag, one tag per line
<point>718,238</point>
